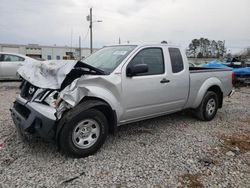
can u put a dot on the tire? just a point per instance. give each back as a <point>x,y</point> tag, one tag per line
<point>83,133</point>
<point>208,107</point>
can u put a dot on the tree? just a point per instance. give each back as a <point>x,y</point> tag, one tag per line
<point>221,48</point>
<point>214,48</point>
<point>199,55</point>
<point>193,46</point>
<point>204,47</point>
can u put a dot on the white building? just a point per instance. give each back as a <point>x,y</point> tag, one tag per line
<point>46,52</point>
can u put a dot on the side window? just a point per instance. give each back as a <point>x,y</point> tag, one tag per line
<point>176,60</point>
<point>8,57</point>
<point>153,57</point>
<point>1,57</point>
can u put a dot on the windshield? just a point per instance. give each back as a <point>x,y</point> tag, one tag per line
<point>108,58</point>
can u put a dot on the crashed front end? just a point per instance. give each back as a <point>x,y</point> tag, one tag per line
<point>32,114</point>
<point>40,105</point>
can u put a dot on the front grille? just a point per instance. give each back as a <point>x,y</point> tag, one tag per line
<point>27,90</point>
<point>21,109</point>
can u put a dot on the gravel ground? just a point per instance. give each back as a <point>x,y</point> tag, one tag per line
<point>170,151</point>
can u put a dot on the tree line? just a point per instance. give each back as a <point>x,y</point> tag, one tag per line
<point>205,48</point>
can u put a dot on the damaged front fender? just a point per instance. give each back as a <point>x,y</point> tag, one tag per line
<point>91,86</point>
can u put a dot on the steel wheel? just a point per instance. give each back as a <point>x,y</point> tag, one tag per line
<point>208,107</point>
<point>86,133</point>
<point>211,106</point>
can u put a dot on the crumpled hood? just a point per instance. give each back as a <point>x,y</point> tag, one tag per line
<point>46,74</point>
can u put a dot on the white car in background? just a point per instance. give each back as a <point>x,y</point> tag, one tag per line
<point>10,62</point>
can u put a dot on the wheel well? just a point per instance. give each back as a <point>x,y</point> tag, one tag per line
<point>219,93</point>
<point>109,113</point>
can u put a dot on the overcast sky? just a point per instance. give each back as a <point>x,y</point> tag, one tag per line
<point>50,22</point>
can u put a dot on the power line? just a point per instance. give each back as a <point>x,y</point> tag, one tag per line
<point>85,37</point>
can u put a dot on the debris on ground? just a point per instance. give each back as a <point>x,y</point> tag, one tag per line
<point>206,161</point>
<point>73,178</point>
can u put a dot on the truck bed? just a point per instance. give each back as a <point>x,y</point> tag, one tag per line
<point>201,76</point>
<point>206,69</point>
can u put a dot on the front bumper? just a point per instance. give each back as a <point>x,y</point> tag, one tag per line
<point>34,118</point>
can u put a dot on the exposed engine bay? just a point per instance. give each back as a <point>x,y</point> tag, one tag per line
<point>50,83</point>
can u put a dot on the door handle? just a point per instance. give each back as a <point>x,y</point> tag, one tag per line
<point>164,80</point>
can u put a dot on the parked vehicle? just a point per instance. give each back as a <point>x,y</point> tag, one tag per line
<point>241,75</point>
<point>10,62</point>
<point>78,103</point>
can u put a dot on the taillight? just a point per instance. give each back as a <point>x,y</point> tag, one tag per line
<point>233,77</point>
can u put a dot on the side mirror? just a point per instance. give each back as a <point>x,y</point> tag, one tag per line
<point>136,69</point>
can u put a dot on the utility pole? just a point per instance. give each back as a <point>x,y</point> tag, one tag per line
<point>80,50</point>
<point>90,28</point>
<point>71,36</point>
<point>119,40</point>
<point>89,18</point>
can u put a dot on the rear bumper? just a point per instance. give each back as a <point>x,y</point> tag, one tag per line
<point>34,118</point>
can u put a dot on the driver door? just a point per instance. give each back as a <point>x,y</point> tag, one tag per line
<point>145,94</point>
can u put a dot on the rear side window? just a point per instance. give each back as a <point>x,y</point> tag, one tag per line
<point>176,60</point>
<point>153,57</point>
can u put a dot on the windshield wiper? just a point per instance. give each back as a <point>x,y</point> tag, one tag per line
<point>81,64</point>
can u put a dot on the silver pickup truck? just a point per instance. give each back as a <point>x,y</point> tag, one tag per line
<point>77,103</point>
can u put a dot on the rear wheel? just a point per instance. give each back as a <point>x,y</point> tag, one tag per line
<point>84,133</point>
<point>208,107</point>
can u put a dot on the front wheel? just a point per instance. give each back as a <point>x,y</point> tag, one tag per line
<point>83,133</point>
<point>208,107</point>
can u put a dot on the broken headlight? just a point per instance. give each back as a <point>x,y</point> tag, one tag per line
<point>51,99</point>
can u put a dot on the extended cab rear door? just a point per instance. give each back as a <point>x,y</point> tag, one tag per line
<point>178,74</point>
<point>156,92</point>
